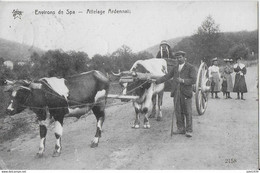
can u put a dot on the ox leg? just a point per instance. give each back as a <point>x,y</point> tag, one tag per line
<point>136,123</point>
<point>146,120</point>
<point>58,133</point>
<point>43,133</point>
<point>154,106</point>
<point>160,97</point>
<point>44,122</point>
<point>147,106</point>
<point>99,112</point>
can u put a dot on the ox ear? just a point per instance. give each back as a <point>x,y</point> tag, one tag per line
<point>35,85</point>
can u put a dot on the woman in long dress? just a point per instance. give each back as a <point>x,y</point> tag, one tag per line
<point>227,84</point>
<point>240,82</point>
<point>214,76</point>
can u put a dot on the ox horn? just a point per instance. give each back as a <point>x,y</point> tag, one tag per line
<point>123,73</point>
<point>9,82</point>
<point>116,74</point>
<point>23,87</point>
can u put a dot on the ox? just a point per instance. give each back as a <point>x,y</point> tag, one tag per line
<point>147,92</point>
<point>73,96</point>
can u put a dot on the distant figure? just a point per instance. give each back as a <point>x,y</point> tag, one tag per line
<point>165,50</point>
<point>9,65</point>
<point>240,82</point>
<point>227,84</point>
<point>214,76</point>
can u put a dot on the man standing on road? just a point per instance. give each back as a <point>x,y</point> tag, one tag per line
<point>185,76</point>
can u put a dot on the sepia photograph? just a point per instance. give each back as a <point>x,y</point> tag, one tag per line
<point>120,85</point>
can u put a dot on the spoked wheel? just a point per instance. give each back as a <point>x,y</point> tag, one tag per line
<point>202,89</point>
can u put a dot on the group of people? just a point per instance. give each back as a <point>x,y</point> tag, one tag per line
<point>227,86</point>
<point>184,77</point>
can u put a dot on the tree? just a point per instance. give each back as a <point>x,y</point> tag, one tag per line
<point>22,71</point>
<point>123,58</point>
<point>143,55</point>
<point>100,63</point>
<point>206,40</point>
<point>79,61</point>
<point>240,50</point>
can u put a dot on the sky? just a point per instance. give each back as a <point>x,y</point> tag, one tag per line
<point>147,23</point>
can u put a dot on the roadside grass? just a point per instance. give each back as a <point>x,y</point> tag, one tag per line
<point>18,128</point>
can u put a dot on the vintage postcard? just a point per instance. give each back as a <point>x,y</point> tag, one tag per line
<point>119,85</point>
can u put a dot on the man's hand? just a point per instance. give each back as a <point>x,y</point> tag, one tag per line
<point>150,80</point>
<point>180,80</point>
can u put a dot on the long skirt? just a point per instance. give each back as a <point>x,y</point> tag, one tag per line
<point>227,85</point>
<point>240,84</point>
<point>215,84</point>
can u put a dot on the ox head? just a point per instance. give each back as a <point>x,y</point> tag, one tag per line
<point>131,85</point>
<point>20,91</point>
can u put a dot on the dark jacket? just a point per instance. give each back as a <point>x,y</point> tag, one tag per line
<point>188,73</point>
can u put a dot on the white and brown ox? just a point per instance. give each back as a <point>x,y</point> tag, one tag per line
<point>73,96</point>
<point>147,92</point>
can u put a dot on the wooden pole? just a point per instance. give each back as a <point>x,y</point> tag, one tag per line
<point>176,97</point>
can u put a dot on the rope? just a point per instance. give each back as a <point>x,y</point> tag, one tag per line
<point>90,104</point>
<point>137,87</point>
<point>79,104</point>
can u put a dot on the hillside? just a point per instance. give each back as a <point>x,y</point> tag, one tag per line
<point>250,38</point>
<point>14,51</point>
<point>172,42</point>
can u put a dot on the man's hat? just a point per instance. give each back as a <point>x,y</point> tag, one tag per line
<point>228,60</point>
<point>179,53</point>
<point>164,42</point>
<point>214,59</point>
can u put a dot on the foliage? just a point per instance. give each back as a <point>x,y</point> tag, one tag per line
<point>206,39</point>
<point>58,63</point>
<point>240,50</point>
<point>208,42</point>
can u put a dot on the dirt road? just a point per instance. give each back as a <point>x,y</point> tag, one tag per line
<point>225,137</point>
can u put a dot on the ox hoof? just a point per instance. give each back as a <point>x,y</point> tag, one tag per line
<point>136,126</point>
<point>93,145</point>
<point>39,155</point>
<point>56,154</point>
<point>147,126</point>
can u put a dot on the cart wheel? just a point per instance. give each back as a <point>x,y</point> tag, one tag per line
<point>202,89</point>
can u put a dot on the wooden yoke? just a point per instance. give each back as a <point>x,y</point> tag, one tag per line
<point>145,76</point>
